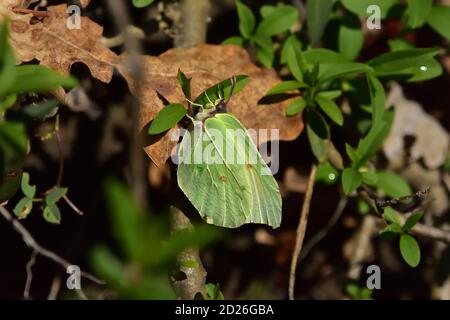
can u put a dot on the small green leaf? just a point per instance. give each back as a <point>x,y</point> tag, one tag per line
<point>278,21</point>
<point>327,174</point>
<point>185,84</point>
<point>52,213</point>
<point>400,44</point>
<point>318,134</point>
<point>213,292</point>
<point>331,109</point>
<point>377,97</point>
<point>350,39</point>
<point>417,12</point>
<point>246,19</point>
<point>38,78</point>
<point>27,189</point>
<point>167,118</point>
<point>351,180</point>
<point>412,221</point>
<point>351,153</point>
<point>332,94</point>
<point>55,194</point>
<point>410,250</point>
<point>225,85</point>
<point>369,145</point>
<point>391,216</point>
<point>392,184</point>
<point>394,228</point>
<point>318,14</point>
<point>370,178</point>
<point>237,41</point>
<point>286,86</point>
<point>331,71</point>
<point>36,112</point>
<point>294,58</point>
<point>23,208</point>
<point>296,107</point>
<point>439,20</point>
<point>321,55</point>
<point>142,3</point>
<point>266,57</point>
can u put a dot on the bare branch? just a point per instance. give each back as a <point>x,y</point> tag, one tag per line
<point>33,244</point>
<point>301,229</point>
<point>30,264</point>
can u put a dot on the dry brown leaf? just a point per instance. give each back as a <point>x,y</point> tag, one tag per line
<point>57,47</point>
<point>207,65</point>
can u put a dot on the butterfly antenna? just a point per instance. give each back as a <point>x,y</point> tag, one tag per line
<point>193,103</point>
<point>233,84</point>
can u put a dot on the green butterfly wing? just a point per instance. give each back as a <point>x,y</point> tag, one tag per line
<point>228,188</point>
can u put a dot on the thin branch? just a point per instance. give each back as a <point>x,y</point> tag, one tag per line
<point>419,229</point>
<point>72,205</point>
<point>29,268</point>
<point>322,233</point>
<point>61,157</point>
<point>33,244</point>
<point>301,229</point>
<point>54,289</point>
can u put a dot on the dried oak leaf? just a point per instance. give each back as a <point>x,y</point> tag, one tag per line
<point>55,46</point>
<point>207,65</point>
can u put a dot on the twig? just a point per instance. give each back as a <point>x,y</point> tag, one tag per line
<point>419,229</point>
<point>29,268</point>
<point>301,229</point>
<point>193,26</point>
<point>33,244</point>
<point>72,205</point>
<point>54,289</point>
<point>322,233</point>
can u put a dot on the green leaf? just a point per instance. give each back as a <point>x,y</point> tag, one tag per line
<point>285,86</point>
<point>213,292</point>
<point>318,13</point>
<point>292,40</point>
<point>394,228</point>
<point>185,84</point>
<point>237,41</point>
<point>439,20</point>
<point>351,153</point>
<point>321,55</point>
<point>402,63</point>
<point>400,44</point>
<point>377,97</point>
<point>331,109</point>
<point>392,184</point>
<point>318,134</point>
<point>359,7</point>
<point>412,221</point>
<point>142,3</point>
<point>266,57</point>
<point>331,94</point>
<point>246,20</point>
<point>55,194</point>
<point>430,68</point>
<point>27,189</point>
<point>52,213</point>
<point>351,180</point>
<point>410,250</point>
<point>350,38</point>
<point>31,78</point>
<point>330,71</point>
<point>327,174</point>
<point>297,106</point>
<point>225,86</point>
<point>23,208</point>
<point>391,216</point>
<point>13,148</point>
<point>417,12</point>
<point>36,112</point>
<point>369,145</point>
<point>370,178</point>
<point>167,118</point>
<point>278,21</point>
<point>294,57</point>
